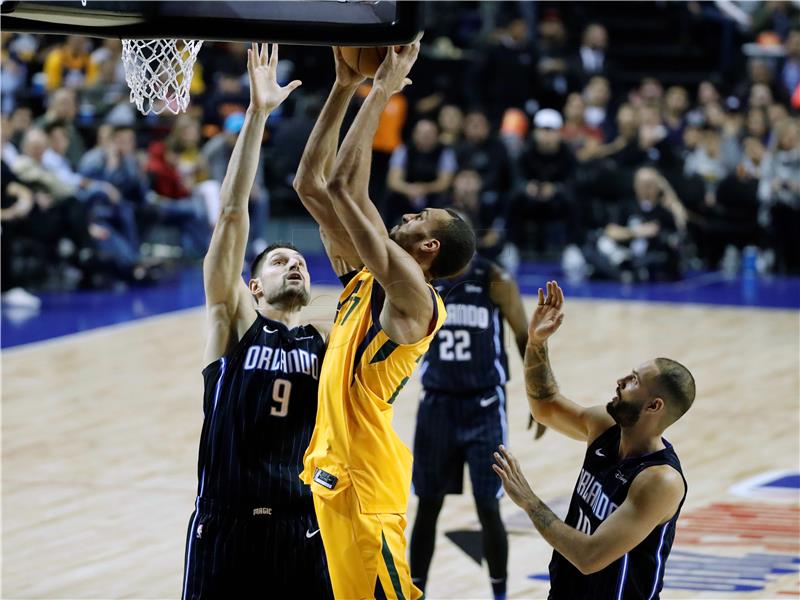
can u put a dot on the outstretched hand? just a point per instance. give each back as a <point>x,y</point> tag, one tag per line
<point>392,74</point>
<point>547,317</point>
<point>265,93</point>
<point>517,487</point>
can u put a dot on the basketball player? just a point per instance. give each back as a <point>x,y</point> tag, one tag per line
<point>621,521</point>
<point>253,532</point>
<point>462,413</point>
<point>358,468</point>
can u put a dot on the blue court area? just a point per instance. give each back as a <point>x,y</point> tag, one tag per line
<point>71,312</point>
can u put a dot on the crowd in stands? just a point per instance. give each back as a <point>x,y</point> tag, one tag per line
<point>521,116</point>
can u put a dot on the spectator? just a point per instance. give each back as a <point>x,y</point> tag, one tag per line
<point>483,152</point>
<point>706,161</point>
<point>177,206</point>
<point>592,58</point>
<point>546,168</point>
<point>676,104</point>
<point>790,70</point>
<point>217,154</point>
<point>597,95</point>
<point>67,65</point>
<point>576,132</point>
<point>471,197</point>
<point>21,121</point>
<point>104,89</point>
<point>756,124</point>
<point>115,161</point>
<point>779,192</point>
<point>451,124</point>
<point>511,57</point>
<point>184,141</point>
<point>706,93</point>
<point>419,173</point>
<point>63,108</point>
<point>554,61</point>
<point>228,96</point>
<point>642,243</point>
<point>760,96</point>
<point>16,204</point>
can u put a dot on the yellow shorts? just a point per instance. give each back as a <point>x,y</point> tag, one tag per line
<point>366,552</point>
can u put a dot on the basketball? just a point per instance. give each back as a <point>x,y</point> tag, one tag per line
<point>364,60</point>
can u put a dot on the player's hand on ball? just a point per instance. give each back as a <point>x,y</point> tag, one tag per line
<point>265,93</point>
<point>516,486</point>
<point>547,317</point>
<point>391,75</point>
<point>346,75</point>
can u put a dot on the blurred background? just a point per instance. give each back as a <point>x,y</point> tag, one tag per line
<point>560,128</point>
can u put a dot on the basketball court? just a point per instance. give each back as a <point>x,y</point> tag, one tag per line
<point>102,407</point>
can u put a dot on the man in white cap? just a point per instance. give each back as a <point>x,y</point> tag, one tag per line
<point>546,167</point>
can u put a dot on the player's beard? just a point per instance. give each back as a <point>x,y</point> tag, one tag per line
<point>626,414</point>
<point>289,295</point>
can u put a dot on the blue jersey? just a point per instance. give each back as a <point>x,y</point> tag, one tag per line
<point>260,406</point>
<point>468,353</point>
<point>602,487</point>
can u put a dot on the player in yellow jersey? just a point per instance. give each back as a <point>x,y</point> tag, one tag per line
<point>358,468</point>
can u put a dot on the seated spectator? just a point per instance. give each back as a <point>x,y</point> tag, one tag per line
<point>104,89</point>
<point>576,132</point>
<point>483,152</point>
<point>488,218</point>
<point>643,242</point>
<point>760,96</point>
<point>20,122</point>
<point>707,162</point>
<point>227,96</point>
<point>63,108</point>
<point>115,161</point>
<point>779,192</point>
<point>546,168</point>
<point>592,58</point>
<point>419,173</point>
<point>676,104</point>
<point>217,154</point>
<point>451,124</point>
<point>511,57</point>
<point>177,204</point>
<point>790,69</point>
<point>553,66</point>
<point>184,140</point>
<point>756,124</point>
<point>731,216</point>
<point>597,95</point>
<point>67,64</point>
<point>16,203</point>
<point>707,93</point>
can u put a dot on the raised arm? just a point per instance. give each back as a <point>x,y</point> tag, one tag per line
<point>548,405</point>
<point>408,307</point>
<point>228,301</point>
<point>505,294</point>
<point>316,166</point>
<point>653,499</point>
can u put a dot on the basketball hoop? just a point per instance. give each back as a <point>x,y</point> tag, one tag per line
<point>159,73</point>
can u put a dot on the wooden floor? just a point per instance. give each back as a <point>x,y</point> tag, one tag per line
<point>100,433</point>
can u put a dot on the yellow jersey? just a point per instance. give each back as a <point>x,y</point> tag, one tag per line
<point>354,442</point>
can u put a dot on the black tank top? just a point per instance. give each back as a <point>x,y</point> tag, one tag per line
<point>602,486</point>
<point>260,406</point>
<point>468,354</point>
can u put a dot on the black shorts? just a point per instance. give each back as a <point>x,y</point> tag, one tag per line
<point>453,429</point>
<point>254,552</point>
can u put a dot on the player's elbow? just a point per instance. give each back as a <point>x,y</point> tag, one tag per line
<point>307,187</point>
<point>338,188</point>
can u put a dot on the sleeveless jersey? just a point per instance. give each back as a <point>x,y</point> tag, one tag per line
<point>468,354</point>
<point>260,404</point>
<point>354,442</point>
<point>602,486</point>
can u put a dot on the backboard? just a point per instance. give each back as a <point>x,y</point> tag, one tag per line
<point>324,22</point>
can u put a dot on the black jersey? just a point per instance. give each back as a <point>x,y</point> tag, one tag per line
<point>260,406</point>
<point>468,353</point>
<point>602,486</point>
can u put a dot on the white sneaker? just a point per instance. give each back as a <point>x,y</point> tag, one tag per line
<point>21,297</point>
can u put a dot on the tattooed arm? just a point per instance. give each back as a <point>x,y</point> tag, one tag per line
<point>653,498</point>
<point>548,405</point>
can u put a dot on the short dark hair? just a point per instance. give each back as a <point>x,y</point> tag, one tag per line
<point>675,383</point>
<point>456,246</point>
<point>51,126</point>
<point>255,265</point>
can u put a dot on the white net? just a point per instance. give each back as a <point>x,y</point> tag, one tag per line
<point>159,73</point>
